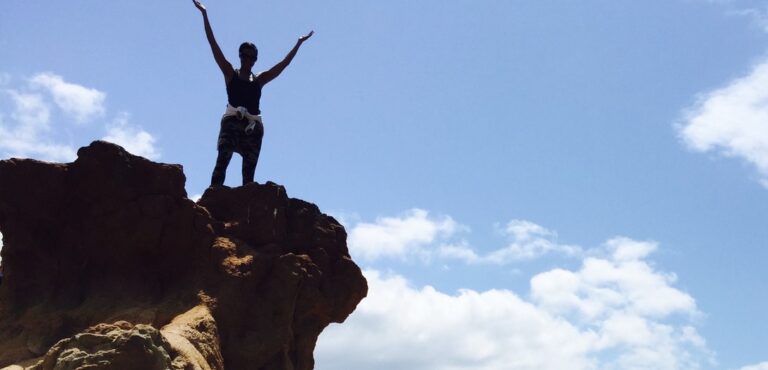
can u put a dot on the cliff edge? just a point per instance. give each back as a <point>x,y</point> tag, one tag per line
<point>108,265</point>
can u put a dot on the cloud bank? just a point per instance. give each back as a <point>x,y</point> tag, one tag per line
<point>615,312</point>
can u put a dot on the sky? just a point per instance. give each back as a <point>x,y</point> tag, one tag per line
<point>526,184</point>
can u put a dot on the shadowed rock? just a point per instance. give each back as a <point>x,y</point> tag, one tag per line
<point>108,251</point>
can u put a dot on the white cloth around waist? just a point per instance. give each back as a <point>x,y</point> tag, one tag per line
<point>242,113</point>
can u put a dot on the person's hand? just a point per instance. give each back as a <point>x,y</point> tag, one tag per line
<point>307,36</point>
<point>199,5</point>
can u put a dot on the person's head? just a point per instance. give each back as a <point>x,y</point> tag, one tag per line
<point>248,53</point>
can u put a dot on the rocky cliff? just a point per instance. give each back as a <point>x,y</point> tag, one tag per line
<point>108,265</point>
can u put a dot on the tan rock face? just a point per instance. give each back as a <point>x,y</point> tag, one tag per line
<point>116,346</point>
<point>245,279</point>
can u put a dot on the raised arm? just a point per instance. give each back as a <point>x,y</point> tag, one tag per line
<point>224,65</point>
<point>275,71</point>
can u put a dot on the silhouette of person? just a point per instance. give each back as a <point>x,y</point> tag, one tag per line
<point>241,126</point>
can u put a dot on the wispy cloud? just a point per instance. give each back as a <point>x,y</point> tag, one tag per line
<point>32,113</point>
<point>416,233</point>
<point>81,102</point>
<point>133,138</point>
<point>614,312</point>
<point>760,366</point>
<point>27,133</point>
<point>527,241</point>
<point>40,109</point>
<point>732,121</point>
<point>758,16</point>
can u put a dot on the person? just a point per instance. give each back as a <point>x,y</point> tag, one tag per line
<point>241,127</point>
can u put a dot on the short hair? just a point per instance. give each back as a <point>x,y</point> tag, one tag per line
<point>249,45</point>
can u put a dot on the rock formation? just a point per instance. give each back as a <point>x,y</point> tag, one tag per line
<point>108,265</point>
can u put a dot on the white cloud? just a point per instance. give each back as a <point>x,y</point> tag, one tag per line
<point>33,129</point>
<point>133,138</point>
<point>45,151</point>
<point>598,317</point>
<point>400,327</point>
<point>528,241</point>
<point>32,114</point>
<point>346,218</point>
<point>622,282</point>
<point>79,101</point>
<point>758,16</point>
<point>624,249</point>
<point>416,233</point>
<point>461,251</point>
<point>733,121</point>
<point>401,236</point>
<point>26,135</point>
<point>760,366</point>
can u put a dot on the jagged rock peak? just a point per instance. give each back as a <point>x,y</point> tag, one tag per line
<point>108,264</point>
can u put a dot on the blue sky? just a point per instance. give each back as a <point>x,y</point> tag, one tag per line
<point>527,184</point>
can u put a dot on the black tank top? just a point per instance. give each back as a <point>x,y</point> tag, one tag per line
<point>242,93</point>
